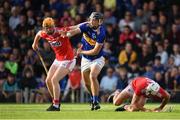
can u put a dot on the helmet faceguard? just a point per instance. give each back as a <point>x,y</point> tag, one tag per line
<point>96,19</point>
<point>152,88</point>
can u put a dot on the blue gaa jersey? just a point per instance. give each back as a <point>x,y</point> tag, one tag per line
<point>89,39</point>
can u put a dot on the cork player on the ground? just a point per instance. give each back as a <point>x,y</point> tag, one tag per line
<point>139,90</point>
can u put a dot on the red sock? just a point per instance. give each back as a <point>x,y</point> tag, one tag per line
<point>56,102</point>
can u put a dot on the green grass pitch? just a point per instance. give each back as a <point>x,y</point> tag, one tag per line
<point>81,111</point>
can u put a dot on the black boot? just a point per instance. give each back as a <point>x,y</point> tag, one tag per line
<point>95,106</point>
<point>52,108</point>
<point>121,108</point>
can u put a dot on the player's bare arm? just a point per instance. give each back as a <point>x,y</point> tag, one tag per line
<point>165,100</point>
<point>35,43</point>
<point>73,32</point>
<point>93,51</point>
<point>76,26</point>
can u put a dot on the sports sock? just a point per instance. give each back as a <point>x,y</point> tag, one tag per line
<point>95,99</point>
<point>91,98</point>
<point>56,106</point>
<point>56,103</point>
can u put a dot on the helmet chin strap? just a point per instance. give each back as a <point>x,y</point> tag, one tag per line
<point>94,27</point>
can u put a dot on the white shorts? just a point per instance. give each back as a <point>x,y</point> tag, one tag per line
<point>129,90</point>
<point>87,64</point>
<point>69,64</point>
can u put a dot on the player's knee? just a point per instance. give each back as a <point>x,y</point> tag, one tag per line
<point>93,77</point>
<point>87,85</point>
<point>48,81</point>
<point>54,81</point>
<point>117,102</point>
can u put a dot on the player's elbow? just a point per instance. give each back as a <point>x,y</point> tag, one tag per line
<point>168,96</point>
<point>96,52</point>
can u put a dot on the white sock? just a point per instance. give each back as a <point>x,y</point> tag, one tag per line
<point>56,106</point>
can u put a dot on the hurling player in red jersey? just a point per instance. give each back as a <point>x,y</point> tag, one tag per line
<point>64,62</point>
<point>139,90</point>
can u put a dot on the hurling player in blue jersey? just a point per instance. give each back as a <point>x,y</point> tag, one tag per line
<point>92,55</point>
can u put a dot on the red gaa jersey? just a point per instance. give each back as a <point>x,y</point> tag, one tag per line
<point>139,85</point>
<point>60,45</point>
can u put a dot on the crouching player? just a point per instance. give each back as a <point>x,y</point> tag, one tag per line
<point>63,63</point>
<point>140,89</point>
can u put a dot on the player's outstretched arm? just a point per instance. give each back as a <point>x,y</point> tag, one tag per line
<point>35,43</point>
<point>165,100</point>
<point>73,32</point>
<point>76,26</point>
<point>76,29</point>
